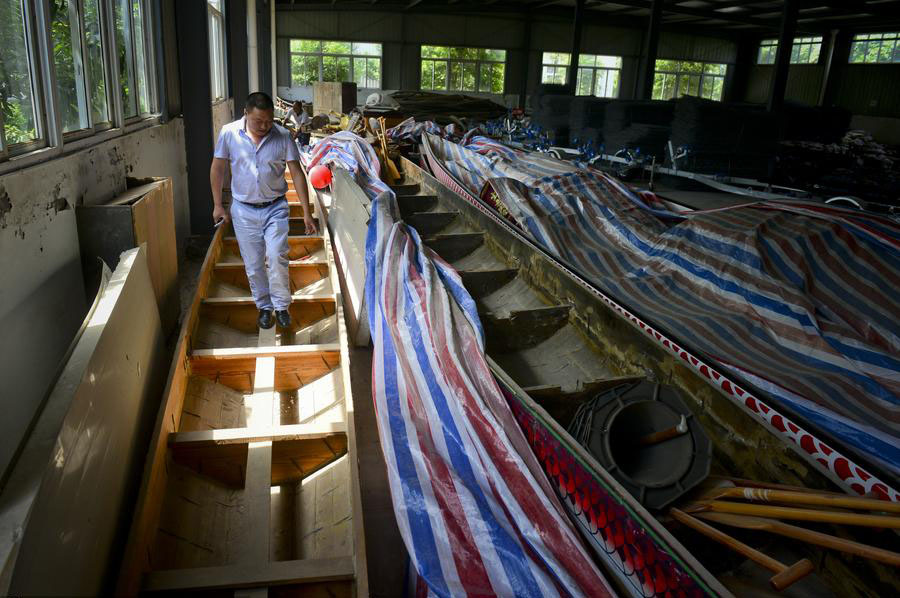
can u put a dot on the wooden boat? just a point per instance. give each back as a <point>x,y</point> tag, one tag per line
<point>251,479</point>
<point>556,342</point>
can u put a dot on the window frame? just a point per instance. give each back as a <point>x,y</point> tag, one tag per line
<point>811,41</point>
<point>866,38</point>
<point>36,25</point>
<point>216,12</point>
<point>593,71</point>
<point>449,61</point>
<point>52,142</point>
<point>678,74</point>
<point>320,56</point>
<point>545,64</point>
<point>93,127</point>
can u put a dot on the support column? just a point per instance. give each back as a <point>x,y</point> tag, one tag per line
<point>738,75</point>
<point>577,23</point>
<point>783,55</point>
<point>196,106</point>
<point>835,62</point>
<point>238,76</point>
<point>252,49</point>
<point>526,64</point>
<point>272,46</point>
<point>647,67</point>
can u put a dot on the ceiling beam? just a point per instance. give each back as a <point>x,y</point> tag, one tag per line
<point>694,12</point>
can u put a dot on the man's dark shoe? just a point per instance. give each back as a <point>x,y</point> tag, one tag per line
<point>265,320</point>
<point>284,318</point>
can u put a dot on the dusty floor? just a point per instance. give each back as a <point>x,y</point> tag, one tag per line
<point>385,553</point>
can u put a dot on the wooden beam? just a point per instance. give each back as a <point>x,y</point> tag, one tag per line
<point>455,246</point>
<point>429,223</point>
<point>577,25</point>
<point>524,328</point>
<point>484,282</point>
<point>648,55</point>
<point>783,56</point>
<point>250,575</point>
<point>254,352</point>
<point>256,434</point>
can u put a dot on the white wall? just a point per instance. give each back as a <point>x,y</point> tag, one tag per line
<point>42,298</point>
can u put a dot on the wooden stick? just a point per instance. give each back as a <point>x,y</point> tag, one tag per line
<point>757,484</point>
<point>804,498</point>
<point>805,535</point>
<point>784,575</point>
<point>865,520</point>
<point>662,435</point>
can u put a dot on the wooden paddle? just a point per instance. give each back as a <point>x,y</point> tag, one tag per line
<point>784,575</point>
<point>805,535</point>
<point>737,508</point>
<point>382,136</point>
<point>733,481</point>
<point>803,498</point>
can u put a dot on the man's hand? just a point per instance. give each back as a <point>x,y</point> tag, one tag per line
<point>310,224</point>
<point>220,213</point>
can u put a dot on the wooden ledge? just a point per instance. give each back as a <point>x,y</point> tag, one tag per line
<point>251,575</point>
<point>256,434</point>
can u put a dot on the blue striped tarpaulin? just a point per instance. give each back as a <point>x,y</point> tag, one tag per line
<point>474,508</point>
<point>800,299</point>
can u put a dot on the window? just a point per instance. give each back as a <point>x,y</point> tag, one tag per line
<point>70,71</point>
<point>804,50</point>
<point>19,105</point>
<point>598,76</point>
<point>463,69</point>
<point>314,60</point>
<point>131,46</point>
<point>216,49</point>
<point>555,67</point>
<point>676,78</point>
<point>875,48</point>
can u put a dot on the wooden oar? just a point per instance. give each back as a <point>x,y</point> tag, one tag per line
<point>805,535</point>
<point>733,481</point>
<point>803,498</point>
<point>395,174</point>
<point>784,575</point>
<point>738,508</point>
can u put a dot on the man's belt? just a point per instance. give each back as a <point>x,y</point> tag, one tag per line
<point>260,204</point>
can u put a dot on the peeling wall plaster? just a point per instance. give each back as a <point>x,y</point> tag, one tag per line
<point>42,298</point>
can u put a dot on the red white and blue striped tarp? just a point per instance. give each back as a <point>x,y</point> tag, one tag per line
<point>475,511</point>
<point>799,299</point>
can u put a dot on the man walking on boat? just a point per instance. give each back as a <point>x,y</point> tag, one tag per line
<point>258,150</point>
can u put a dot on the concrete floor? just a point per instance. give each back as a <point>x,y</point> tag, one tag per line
<point>385,552</point>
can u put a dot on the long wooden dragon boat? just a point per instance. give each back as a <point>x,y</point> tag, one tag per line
<point>251,480</point>
<point>557,343</point>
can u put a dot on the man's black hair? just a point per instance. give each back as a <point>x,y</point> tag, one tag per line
<point>260,101</point>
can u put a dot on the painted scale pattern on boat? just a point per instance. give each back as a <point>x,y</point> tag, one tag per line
<point>837,467</point>
<point>624,543</point>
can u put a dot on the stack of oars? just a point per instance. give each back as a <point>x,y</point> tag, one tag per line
<point>391,174</point>
<point>718,505</point>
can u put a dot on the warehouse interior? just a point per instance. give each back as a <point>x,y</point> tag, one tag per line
<point>102,97</point>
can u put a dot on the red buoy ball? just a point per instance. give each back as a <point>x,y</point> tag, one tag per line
<point>320,176</point>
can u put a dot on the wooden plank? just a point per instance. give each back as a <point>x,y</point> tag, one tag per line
<point>291,351</point>
<point>301,274</point>
<point>523,328</point>
<point>348,220</point>
<point>253,540</point>
<point>154,224</point>
<point>455,246</point>
<point>153,485</point>
<point>57,502</point>
<point>250,575</point>
<point>243,315</point>
<point>257,434</point>
<point>358,548</point>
